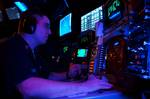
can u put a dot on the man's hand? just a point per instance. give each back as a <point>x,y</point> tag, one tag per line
<point>93,84</point>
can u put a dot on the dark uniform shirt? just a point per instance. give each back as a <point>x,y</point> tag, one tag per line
<point>17,64</point>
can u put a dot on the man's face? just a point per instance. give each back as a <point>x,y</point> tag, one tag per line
<point>42,30</point>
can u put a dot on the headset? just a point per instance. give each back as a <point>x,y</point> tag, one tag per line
<point>27,23</point>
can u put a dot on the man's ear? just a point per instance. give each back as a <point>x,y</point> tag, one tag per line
<point>32,29</point>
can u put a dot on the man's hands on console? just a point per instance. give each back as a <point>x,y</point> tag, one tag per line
<point>94,83</point>
<point>91,85</point>
<point>81,87</point>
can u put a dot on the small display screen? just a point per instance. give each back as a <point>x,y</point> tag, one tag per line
<point>82,52</point>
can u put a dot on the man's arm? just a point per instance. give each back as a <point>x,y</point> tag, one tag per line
<point>43,88</point>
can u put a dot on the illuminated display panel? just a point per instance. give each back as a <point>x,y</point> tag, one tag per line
<point>88,20</point>
<point>82,52</point>
<point>113,12</point>
<point>113,9</point>
<point>13,13</point>
<point>65,25</point>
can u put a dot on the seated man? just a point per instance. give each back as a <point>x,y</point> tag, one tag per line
<point>20,71</point>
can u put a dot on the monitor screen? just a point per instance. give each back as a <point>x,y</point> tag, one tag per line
<point>113,12</point>
<point>12,13</point>
<point>65,25</point>
<point>88,20</point>
<point>82,52</point>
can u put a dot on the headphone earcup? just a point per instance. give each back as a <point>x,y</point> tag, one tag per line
<point>30,28</point>
<point>29,25</point>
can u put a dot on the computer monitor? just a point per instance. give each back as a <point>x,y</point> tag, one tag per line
<point>12,13</point>
<point>65,25</point>
<point>89,19</point>
<point>82,53</point>
<point>113,12</point>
